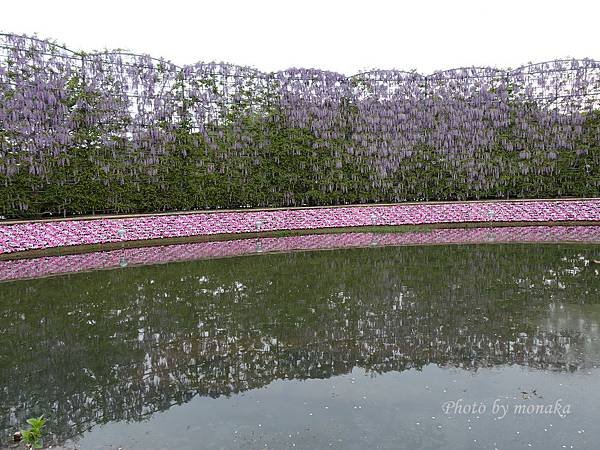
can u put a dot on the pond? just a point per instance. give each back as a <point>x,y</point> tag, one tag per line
<point>420,347</point>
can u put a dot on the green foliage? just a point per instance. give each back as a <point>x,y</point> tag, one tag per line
<point>33,436</point>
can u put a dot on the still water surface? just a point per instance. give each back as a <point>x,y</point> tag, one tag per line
<point>434,347</point>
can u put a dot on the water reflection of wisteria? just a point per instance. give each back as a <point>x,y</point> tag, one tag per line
<point>119,345</point>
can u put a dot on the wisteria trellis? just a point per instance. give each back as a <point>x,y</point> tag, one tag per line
<point>220,135</point>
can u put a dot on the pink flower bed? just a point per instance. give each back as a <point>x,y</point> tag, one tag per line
<point>60,233</point>
<point>53,265</point>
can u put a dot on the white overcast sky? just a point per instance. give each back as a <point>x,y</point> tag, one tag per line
<point>344,36</point>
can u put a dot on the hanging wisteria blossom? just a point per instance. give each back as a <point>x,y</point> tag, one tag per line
<point>113,131</point>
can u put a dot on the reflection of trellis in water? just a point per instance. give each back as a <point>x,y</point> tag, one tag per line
<point>226,327</point>
<point>124,111</point>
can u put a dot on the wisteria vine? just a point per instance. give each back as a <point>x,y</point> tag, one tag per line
<point>113,131</point>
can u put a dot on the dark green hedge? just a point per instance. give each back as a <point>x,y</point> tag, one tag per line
<point>291,170</point>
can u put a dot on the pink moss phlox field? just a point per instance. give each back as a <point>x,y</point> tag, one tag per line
<point>61,233</point>
<point>55,265</point>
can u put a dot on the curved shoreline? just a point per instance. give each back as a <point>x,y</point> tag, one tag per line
<point>18,269</point>
<point>27,236</point>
